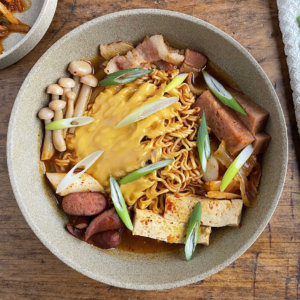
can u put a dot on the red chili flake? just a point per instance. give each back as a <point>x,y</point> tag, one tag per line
<point>201,222</point>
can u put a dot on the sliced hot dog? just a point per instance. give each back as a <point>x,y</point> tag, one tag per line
<point>257,116</point>
<point>109,220</point>
<point>84,204</point>
<point>224,123</point>
<point>80,222</point>
<point>106,240</point>
<point>78,233</point>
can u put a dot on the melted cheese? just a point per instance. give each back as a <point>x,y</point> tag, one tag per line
<point>123,151</point>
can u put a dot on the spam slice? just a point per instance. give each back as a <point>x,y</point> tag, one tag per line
<point>261,142</point>
<point>215,213</point>
<point>148,224</point>
<point>257,116</point>
<point>224,123</point>
<point>84,183</point>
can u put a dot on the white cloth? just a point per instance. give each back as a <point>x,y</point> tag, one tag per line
<point>288,11</point>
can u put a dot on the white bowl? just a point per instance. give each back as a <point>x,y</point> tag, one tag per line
<point>39,18</point>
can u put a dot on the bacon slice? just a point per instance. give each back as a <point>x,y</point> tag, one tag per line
<point>224,123</point>
<point>151,50</point>
<point>193,61</point>
<point>108,51</point>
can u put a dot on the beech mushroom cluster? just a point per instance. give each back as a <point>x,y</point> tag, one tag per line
<point>69,98</point>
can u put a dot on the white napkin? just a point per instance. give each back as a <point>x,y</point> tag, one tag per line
<point>289,10</point>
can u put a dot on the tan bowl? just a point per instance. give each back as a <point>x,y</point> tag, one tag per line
<point>39,18</point>
<point>139,271</point>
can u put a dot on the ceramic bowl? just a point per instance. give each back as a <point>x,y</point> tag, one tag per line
<point>39,18</point>
<point>122,269</point>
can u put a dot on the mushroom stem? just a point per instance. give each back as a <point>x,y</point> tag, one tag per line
<point>76,88</point>
<point>82,100</point>
<point>57,135</point>
<point>71,96</point>
<point>48,149</point>
<point>67,84</point>
<point>47,114</point>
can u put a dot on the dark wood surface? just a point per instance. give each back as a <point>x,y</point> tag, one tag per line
<point>270,269</point>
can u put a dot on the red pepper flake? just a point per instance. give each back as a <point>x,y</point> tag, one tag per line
<point>201,222</point>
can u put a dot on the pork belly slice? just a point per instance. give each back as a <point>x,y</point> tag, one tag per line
<point>151,50</point>
<point>224,123</point>
<point>148,224</point>
<point>257,116</point>
<point>108,51</point>
<point>215,212</point>
<point>193,61</point>
<point>261,142</point>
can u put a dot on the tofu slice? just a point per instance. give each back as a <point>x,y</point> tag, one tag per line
<point>215,212</point>
<point>84,183</point>
<point>147,223</point>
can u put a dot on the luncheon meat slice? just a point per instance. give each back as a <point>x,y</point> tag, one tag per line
<point>224,123</point>
<point>261,142</point>
<point>84,204</point>
<point>151,50</point>
<point>257,116</point>
<point>193,61</point>
<point>108,51</point>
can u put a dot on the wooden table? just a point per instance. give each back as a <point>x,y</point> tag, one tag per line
<point>270,269</point>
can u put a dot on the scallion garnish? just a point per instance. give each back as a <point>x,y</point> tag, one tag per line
<point>124,76</point>
<point>177,81</point>
<point>69,123</point>
<point>71,177</point>
<point>145,170</point>
<point>146,110</point>
<point>192,234</point>
<point>119,203</point>
<point>203,143</point>
<point>235,166</point>
<point>221,93</point>
<point>298,19</point>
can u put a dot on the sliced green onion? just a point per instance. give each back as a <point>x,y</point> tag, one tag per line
<point>221,93</point>
<point>119,203</point>
<point>203,143</point>
<point>69,123</point>
<point>192,234</point>
<point>124,76</point>
<point>235,166</point>
<point>177,81</point>
<point>298,19</point>
<point>145,170</point>
<point>146,110</point>
<point>71,177</point>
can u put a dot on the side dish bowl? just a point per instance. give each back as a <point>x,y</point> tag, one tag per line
<point>38,17</point>
<point>36,201</point>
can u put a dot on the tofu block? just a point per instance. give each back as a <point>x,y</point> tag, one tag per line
<point>148,224</point>
<point>85,183</point>
<point>215,212</point>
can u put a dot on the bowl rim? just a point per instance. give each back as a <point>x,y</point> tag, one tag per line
<point>189,280</point>
<point>34,31</point>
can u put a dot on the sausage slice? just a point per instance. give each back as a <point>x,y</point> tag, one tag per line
<point>224,123</point>
<point>84,204</point>
<point>80,222</point>
<point>106,240</point>
<point>109,220</point>
<point>78,233</point>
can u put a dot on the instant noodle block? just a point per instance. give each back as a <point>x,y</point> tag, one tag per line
<point>215,212</point>
<point>148,224</point>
